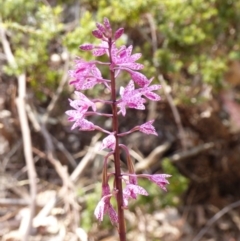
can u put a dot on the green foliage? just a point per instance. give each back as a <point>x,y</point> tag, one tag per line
<point>32,32</point>
<point>178,184</point>
<point>195,37</point>
<point>87,213</point>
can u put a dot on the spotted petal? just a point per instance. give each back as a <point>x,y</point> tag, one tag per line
<point>109,142</point>
<point>148,128</point>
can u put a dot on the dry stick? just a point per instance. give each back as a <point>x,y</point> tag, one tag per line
<point>41,127</point>
<point>64,150</point>
<point>74,177</point>
<point>217,216</point>
<point>13,202</point>
<point>85,160</point>
<point>152,158</point>
<point>175,112</point>
<point>60,169</point>
<point>192,152</point>
<point>6,158</point>
<point>67,188</point>
<point>27,143</point>
<point>166,88</point>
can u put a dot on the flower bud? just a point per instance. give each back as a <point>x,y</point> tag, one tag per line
<point>118,33</point>
<point>86,47</point>
<point>98,34</point>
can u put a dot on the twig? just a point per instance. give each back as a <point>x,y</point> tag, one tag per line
<point>41,127</point>
<point>60,169</point>
<point>27,143</point>
<point>175,112</point>
<point>192,152</point>
<point>9,154</point>
<point>67,154</point>
<point>73,177</point>
<point>11,201</point>
<point>217,216</point>
<point>89,156</point>
<point>152,158</point>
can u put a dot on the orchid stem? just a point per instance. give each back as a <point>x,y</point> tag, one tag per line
<point>118,175</point>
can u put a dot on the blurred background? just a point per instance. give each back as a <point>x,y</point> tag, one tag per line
<point>50,175</point>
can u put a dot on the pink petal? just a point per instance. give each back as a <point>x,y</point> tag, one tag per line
<point>98,34</point>
<point>148,128</point>
<point>139,78</point>
<point>105,190</point>
<point>112,214</point>
<point>152,96</point>
<point>135,57</point>
<point>129,87</point>
<point>86,125</point>
<point>89,84</point>
<point>107,23</point>
<point>154,87</point>
<point>96,73</point>
<point>129,50</point>
<point>109,142</point>
<point>85,100</point>
<point>134,66</point>
<point>86,47</point>
<point>160,180</point>
<point>118,33</point>
<point>74,114</point>
<point>99,52</point>
<point>131,191</point>
<point>100,27</point>
<point>122,107</point>
<point>99,210</point>
<point>133,180</point>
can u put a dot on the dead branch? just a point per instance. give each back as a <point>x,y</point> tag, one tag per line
<point>67,154</point>
<point>217,216</point>
<point>60,169</point>
<point>175,112</point>
<point>15,202</point>
<point>152,158</point>
<point>192,152</point>
<point>27,143</point>
<point>89,156</point>
<point>92,151</point>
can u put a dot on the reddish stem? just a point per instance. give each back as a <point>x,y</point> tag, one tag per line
<point>118,175</point>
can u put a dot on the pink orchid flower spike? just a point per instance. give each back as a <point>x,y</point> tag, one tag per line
<point>86,75</point>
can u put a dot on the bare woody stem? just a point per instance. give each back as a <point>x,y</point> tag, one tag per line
<point>118,175</point>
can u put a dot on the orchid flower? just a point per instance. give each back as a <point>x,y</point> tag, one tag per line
<point>86,75</point>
